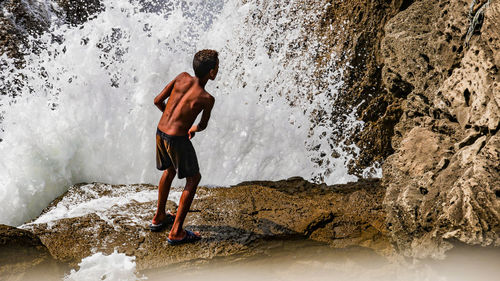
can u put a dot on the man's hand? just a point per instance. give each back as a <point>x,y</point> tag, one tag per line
<point>204,119</point>
<point>191,132</point>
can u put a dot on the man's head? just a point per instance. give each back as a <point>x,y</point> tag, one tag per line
<point>206,62</point>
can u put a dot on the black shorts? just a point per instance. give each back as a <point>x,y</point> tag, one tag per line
<point>177,151</point>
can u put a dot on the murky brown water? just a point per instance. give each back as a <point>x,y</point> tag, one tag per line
<point>305,260</point>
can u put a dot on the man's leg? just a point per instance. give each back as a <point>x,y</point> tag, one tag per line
<point>187,196</point>
<point>163,190</point>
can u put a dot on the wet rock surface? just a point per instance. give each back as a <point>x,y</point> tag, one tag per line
<point>76,12</point>
<point>357,40</point>
<point>24,257</point>
<point>244,220</point>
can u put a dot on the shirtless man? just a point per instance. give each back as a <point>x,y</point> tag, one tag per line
<point>174,152</point>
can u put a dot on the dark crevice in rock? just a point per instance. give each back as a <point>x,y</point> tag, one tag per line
<point>467,97</point>
<point>400,88</point>
<point>481,146</point>
<point>493,132</point>
<point>319,223</point>
<point>423,190</point>
<point>453,67</point>
<point>448,116</point>
<point>468,140</point>
<point>424,98</point>
<point>425,57</point>
<point>405,4</point>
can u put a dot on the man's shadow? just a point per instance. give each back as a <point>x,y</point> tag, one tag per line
<point>267,230</point>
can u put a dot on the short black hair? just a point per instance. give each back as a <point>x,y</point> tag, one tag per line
<point>204,61</point>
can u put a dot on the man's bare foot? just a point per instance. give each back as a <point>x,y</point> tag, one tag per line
<point>189,237</point>
<point>160,224</point>
<point>181,235</point>
<point>159,218</point>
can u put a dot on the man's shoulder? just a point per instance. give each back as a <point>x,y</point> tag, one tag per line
<point>183,75</point>
<point>209,97</point>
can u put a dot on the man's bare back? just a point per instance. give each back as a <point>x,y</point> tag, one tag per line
<point>186,99</point>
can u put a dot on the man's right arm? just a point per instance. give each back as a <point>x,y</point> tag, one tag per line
<point>160,99</point>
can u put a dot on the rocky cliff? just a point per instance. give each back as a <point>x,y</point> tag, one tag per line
<point>424,78</point>
<point>443,180</point>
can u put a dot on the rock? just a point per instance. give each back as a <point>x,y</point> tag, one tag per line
<point>243,220</point>
<point>20,19</point>
<point>24,257</point>
<point>79,11</point>
<point>443,177</point>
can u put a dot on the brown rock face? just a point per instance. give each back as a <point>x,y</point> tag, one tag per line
<point>24,257</point>
<point>357,37</point>
<point>443,181</point>
<point>244,220</point>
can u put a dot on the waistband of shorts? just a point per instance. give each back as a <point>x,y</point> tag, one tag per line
<point>167,136</point>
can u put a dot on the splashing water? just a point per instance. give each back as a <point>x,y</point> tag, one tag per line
<point>84,110</point>
<point>105,267</point>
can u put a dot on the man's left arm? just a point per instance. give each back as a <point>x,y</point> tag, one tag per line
<point>204,119</point>
<point>160,99</point>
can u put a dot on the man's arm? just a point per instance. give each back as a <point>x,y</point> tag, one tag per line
<point>160,99</point>
<point>204,119</point>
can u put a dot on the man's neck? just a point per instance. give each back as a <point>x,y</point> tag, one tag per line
<point>203,82</point>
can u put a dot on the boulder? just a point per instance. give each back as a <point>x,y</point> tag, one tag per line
<point>24,257</point>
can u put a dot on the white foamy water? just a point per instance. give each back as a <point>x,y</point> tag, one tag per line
<point>114,267</point>
<point>105,201</point>
<point>85,112</point>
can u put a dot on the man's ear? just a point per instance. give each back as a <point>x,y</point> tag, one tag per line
<point>212,73</point>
